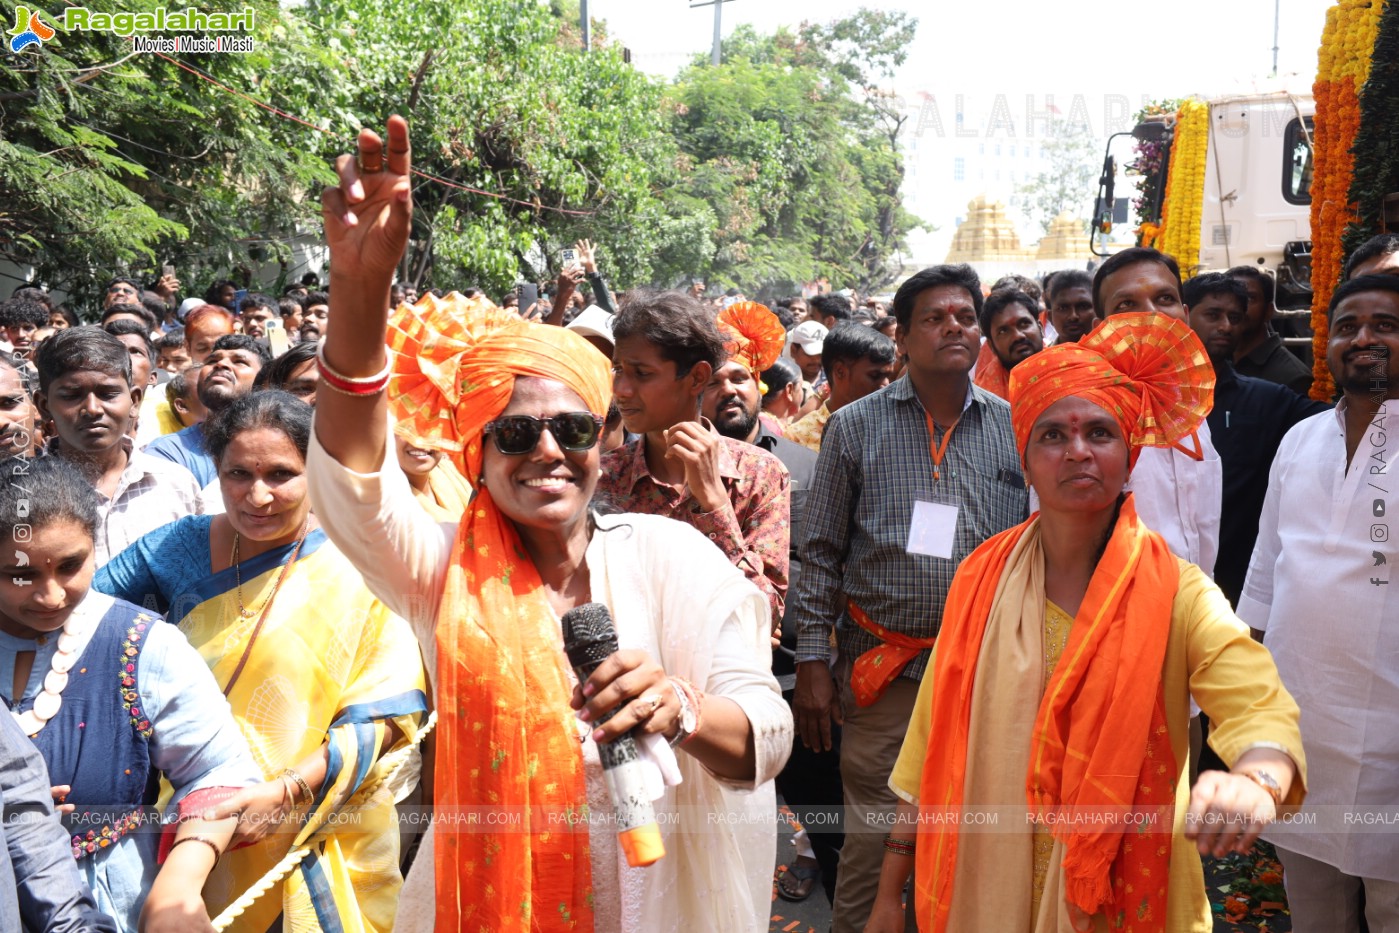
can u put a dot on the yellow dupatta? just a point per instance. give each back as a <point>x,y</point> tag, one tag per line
<point>330,665</point>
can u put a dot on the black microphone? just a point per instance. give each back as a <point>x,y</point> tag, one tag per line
<point>589,638</point>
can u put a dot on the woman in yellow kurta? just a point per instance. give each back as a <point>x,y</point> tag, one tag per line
<point>1058,697</point>
<point>326,684</point>
<point>437,484</point>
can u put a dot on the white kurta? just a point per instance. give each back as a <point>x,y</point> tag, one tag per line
<point>1180,498</point>
<point>1320,588</point>
<point>672,593</point>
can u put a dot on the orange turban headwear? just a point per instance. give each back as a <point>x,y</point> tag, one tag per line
<point>1149,371</point>
<point>457,361</point>
<point>507,738</point>
<point>753,335</point>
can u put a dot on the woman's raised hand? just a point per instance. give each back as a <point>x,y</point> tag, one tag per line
<point>369,214</point>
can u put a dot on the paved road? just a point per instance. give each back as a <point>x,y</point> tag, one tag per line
<point>812,915</point>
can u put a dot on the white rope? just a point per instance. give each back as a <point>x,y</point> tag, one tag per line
<point>278,872</point>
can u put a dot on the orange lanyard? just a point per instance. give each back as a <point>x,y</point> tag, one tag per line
<point>938,450</point>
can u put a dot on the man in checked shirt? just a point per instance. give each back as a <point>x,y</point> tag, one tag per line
<point>910,480</point>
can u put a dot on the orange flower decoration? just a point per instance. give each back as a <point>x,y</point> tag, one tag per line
<point>1148,370</point>
<point>755,335</point>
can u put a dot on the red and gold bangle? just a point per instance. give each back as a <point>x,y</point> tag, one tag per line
<point>900,846</point>
<point>352,385</point>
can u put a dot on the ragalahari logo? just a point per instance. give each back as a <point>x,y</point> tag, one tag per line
<point>29,30</point>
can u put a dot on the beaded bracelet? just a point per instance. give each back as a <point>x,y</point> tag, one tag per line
<point>218,853</point>
<point>352,385</point>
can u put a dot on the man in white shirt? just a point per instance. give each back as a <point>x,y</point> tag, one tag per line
<point>1319,588</point>
<point>1178,496</point>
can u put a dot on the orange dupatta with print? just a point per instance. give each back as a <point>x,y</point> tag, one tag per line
<point>878,667</point>
<point>1099,738</point>
<point>507,737</point>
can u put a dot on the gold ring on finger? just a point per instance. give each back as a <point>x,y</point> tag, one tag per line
<point>653,703</point>
<point>370,163</point>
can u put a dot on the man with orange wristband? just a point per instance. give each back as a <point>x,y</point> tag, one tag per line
<point>910,480</point>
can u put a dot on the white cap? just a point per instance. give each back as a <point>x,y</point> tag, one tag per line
<point>593,321</point>
<point>188,305</point>
<point>810,336</point>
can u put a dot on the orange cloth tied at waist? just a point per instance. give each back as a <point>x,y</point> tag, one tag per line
<point>876,669</point>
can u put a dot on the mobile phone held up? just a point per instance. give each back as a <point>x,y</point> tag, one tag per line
<point>277,338</point>
<point>568,257</point>
<point>529,297</point>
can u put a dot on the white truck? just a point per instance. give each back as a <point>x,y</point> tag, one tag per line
<point>1257,192</point>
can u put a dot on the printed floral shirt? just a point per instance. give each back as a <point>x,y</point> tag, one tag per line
<point>754,529</point>
<point>810,428</point>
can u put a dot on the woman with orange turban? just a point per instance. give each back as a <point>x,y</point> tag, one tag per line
<point>519,408</point>
<point>1053,723</point>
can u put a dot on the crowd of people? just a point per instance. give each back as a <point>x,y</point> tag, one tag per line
<point>286,582</point>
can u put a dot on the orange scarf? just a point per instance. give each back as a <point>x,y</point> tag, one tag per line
<point>1100,736</point>
<point>507,738</point>
<point>991,375</point>
<point>878,667</point>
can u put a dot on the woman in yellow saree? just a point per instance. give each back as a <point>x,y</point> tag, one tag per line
<point>326,684</point>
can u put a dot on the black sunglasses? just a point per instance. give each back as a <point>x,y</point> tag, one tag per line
<point>518,434</point>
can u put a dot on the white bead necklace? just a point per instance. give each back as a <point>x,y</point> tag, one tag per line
<point>77,632</point>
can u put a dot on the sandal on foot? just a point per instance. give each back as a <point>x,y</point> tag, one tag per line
<point>799,880</point>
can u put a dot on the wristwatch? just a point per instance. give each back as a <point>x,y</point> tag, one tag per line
<point>1269,783</point>
<point>685,725</point>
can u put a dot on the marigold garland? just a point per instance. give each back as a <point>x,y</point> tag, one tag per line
<point>1185,187</point>
<point>1375,150</point>
<point>1343,67</point>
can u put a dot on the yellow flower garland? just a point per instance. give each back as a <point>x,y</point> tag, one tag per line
<point>1181,214</point>
<point>1343,67</point>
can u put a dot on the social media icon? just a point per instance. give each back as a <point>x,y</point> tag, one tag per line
<point>1379,558</point>
<point>1377,508</point>
<point>22,508</point>
<point>21,559</point>
<point>22,533</point>
<point>1379,533</point>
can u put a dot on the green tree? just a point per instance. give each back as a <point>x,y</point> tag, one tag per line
<point>779,167</point>
<point>510,107</point>
<point>1069,179</point>
<point>793,146</point>
<point>114,162</point>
